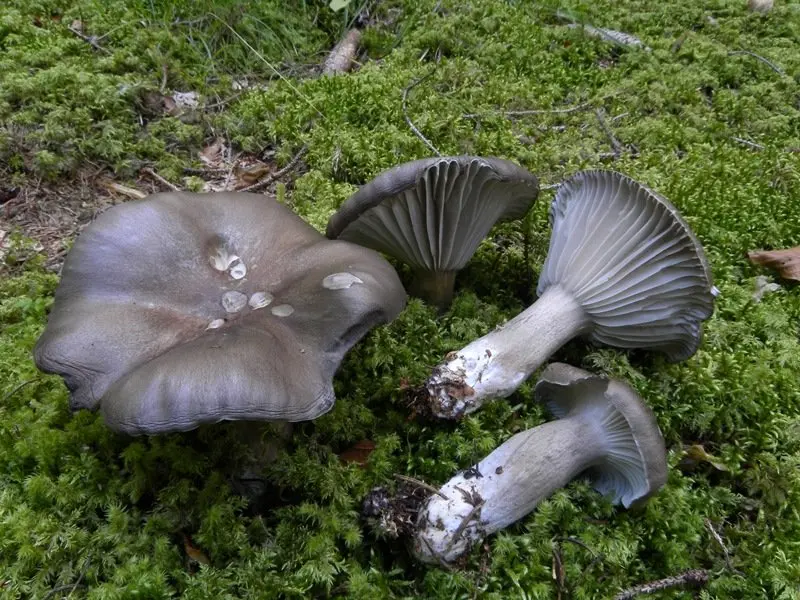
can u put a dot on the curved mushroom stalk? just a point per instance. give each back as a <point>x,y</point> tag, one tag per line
<point>604,429</point>
<point>623,269</point>
<point>184,309</point>
<point>433,213</point>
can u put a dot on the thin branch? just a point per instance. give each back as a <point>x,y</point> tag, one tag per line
<point>722,545</point>
<point>160,179</point>
<point>70,586</point>
<point>695,577</point>
<point>463,525</point>
<point>770,64</point>
<point>615,143</point>
<point>524,113</point>
<point>748,143</point>
<point>260,185</point>
<point>421,484</point>
<point>91,40</point>
<point>410,123</point>
<point>16,389</point>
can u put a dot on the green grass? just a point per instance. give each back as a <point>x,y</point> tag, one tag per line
<point>80,504</point>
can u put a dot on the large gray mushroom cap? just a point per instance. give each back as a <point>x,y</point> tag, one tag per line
<point>634,464</point>
<point>433,213</point>
<point>183,309</point>
<point>631,262</point>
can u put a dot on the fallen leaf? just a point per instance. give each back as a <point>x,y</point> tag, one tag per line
<point>212,155</point>
<point>251,174</point>
<point>697,453</point>
<point>186,99</point>
<point>358,453</point>
<point>785,262</point>
<point>193,551</point>
<point>77,25</point>
<point>113,186</point>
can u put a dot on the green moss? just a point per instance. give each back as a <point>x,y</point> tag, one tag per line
<point>78,503</point>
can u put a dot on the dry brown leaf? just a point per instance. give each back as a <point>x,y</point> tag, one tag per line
<point>213,154</point>
<point>251,174</point>
<point>358,453</point>
<point>194,552</point>
<point>785,262</point>
<point>697,453</point>
<point>113,186</point>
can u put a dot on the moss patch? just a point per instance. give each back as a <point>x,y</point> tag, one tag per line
<point>80,505</point>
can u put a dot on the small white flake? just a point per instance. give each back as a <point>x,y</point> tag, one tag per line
<point>215,324</point>
<point>340,281</point>
<point>238,270</point>
<point>260,300</point>
<point>282,310</point>
<point>233,301</point>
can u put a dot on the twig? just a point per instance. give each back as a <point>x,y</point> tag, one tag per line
<point>341,57</point>
<point>16,389</point>
<point>770,64</point>
<point>597,557</point>
<point>164,76</point>
<point>524,113</point>
<point>160,179</point>
<point>225,102</point>
<point>211,172</point>
<point>91,40</point>
<point>70,586</point>
<point>695,577</point>
<point>260,185</point>
<point>421,484</point>
<point>748,143</point>
<point>722,545</point>
<point>463,525</point>
<point>615,144</point>
<point>410,123</point>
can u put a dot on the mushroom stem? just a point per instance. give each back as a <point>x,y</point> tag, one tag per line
<point>509,483</point>
<point>434,287</point>
<point>496,364</point>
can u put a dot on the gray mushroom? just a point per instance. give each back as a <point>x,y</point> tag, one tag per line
<point>623,269</point>
<point>183,309</point>
<point>433,213</point>
<point>604,430</point>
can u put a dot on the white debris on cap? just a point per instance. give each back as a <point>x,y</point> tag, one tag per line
<point>340,281</point>
<point>282,310</point>
<point>260,300</point>
<point>222,259</point>
<point>238,270</point>
<point>215,324</point>
<point>233,301</point>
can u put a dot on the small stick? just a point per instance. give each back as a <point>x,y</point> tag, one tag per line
<point>463,525</point>
<point>92,41</point>
<point>212,172</point>
<point>340,59</point>
<point>260,185</point>
<point>408,120</point>
<point>721,543</point>
<point>523,113</point>
<point>615,144</point>
<point>421,484</point>
<point>771,65</point>
<point>16,389</point>
<point>748,143</point>
<point>695,577</point>
<point>160,179</point>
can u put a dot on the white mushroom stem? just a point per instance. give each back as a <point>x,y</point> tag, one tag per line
<point>496,364</point>
<point>507,485</point>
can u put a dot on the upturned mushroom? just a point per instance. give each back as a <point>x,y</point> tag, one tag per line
<point>183,309</point>
<point>623,269</point>
<point>433,213</point>
<point>604,429</point>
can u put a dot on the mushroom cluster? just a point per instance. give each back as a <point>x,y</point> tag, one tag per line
<point>183,309</point>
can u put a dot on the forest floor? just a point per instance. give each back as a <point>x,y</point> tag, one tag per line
<point>102,102</point>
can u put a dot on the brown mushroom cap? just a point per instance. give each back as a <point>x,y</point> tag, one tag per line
<point>433,213</point>
<point>183,309</point>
